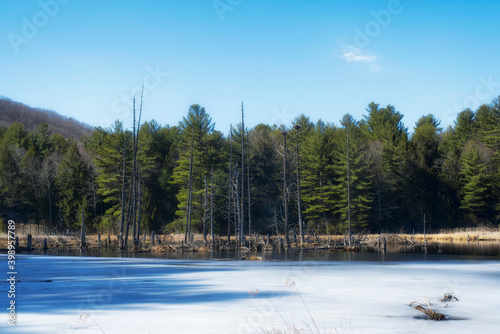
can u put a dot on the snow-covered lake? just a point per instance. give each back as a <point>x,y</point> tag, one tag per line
<point>60,294</point>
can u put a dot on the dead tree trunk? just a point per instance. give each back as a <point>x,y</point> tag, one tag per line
<point>230,191</point>
<point>132,184</point>
<point>50,202</point>
<point>299,202</point>
<point>82,236</point>
<point>187,234</point>
<point>348,188</point>
<point>205,211</point>
<point>127,220</point>
<point>212,211</point>
<point>138,173</point>
<point>124,179</point>
<point>248,195</point>
<point>139,199</point>
<point>242,232</point>
<point>285,192</point>
<point>238,207</point>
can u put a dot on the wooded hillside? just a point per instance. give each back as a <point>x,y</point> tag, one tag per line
<point>11,112</point>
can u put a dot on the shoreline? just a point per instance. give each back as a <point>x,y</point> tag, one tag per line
<point>175,243</point>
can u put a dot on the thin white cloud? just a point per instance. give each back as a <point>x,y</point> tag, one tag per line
<point>352,54</point>
<point>355,55</point>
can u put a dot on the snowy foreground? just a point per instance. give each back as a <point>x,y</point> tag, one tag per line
<point>124,295</point>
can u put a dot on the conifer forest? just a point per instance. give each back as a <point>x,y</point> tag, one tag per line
<point>190,178</point>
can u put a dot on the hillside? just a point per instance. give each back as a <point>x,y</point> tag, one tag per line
<point>11,112</point>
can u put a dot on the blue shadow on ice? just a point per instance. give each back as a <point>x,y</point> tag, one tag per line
<point>53,284</point>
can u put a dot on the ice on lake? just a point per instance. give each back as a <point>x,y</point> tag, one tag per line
<point>57,294</point>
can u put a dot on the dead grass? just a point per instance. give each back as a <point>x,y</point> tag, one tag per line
<point>292,328</point>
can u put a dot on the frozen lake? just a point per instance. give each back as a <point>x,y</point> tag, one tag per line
<point>61,294</point>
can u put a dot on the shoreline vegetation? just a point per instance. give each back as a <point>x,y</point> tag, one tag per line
<point>257,243</point>
<point>306,176</point>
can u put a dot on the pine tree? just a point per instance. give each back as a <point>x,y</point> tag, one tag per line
<point>109,148</point>
<point>265,162</point>
<point>71,179</point>
<point>318,192</point>
<point>360,180</point>
<point>476,200</point>
<point>188,173</point>
<point>386,150</point>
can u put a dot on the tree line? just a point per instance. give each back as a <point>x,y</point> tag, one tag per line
<point>306,177</point>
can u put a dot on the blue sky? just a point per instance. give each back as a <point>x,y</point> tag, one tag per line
<point>85,59</point>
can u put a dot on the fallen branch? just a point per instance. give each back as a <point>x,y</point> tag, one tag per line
<point>429,312</point>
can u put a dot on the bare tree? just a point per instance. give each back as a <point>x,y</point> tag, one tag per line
<point>242,232</point>
<point>230,190</point>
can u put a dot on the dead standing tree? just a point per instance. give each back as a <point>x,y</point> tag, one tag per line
<point>212,211</point>
<point>249,193</point>
<point>136,182</point>
<point>187,234</point>
<point>124,179</point>
<point>285,190</point>
<point>242,232</point>
<point>230,190</point>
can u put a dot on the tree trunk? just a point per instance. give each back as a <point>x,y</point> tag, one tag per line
<point>124,178</point>
<point>133,181</point>
<point>242,232</point>
<point>348,188</point>
<point>285,193</point>
<point>205,211</point>
<point>230,184</point>
<point>139,199</point>
<point>299,204</point>
<point>238,207</point>
<point>190,187</point>
<point>248,194</point>
<point>50,202</point>
<point>137,179</point>
<point>82,236</point>
<point>212,211</point>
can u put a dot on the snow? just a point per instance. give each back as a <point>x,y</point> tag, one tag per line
<point>61,294</point>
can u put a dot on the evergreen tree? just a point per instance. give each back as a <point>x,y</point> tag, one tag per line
<point>352,165</point>
<point>476,200</point>
<point>108,147</point>
<point>188,173</point>
<point>387,153</point>
<point>318,193</point>
<point>266,164</point>
<point>71,181</point>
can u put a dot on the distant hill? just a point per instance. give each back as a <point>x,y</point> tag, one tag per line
<point>11,112</point>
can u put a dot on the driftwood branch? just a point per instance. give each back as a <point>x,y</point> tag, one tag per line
<point>434,315</point>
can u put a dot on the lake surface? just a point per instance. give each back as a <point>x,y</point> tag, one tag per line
<point>483,250</point>
<point>364,292</point>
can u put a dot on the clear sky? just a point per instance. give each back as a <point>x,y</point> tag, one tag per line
<point>85,59</point>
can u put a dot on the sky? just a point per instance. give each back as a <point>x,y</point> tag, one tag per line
<point>324,59</point>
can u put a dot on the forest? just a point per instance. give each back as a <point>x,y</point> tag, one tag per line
<point>190,178</point>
